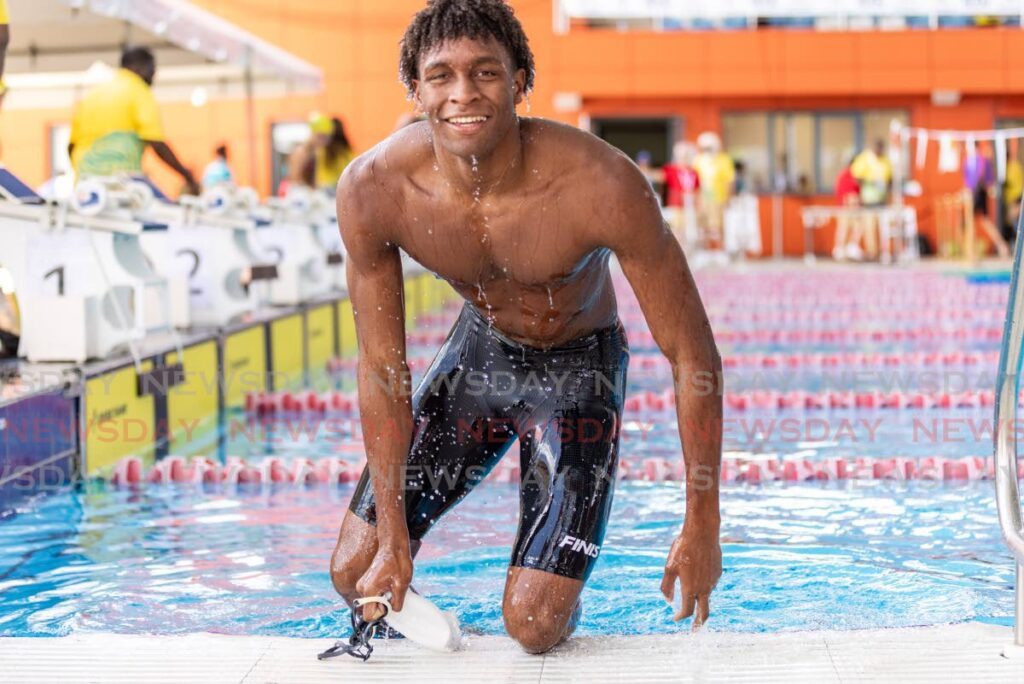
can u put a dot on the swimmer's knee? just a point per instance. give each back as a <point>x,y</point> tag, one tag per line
<point>345,571</point>
<point>536,623</point>
<point>357,544</point>
<point>538,633</point>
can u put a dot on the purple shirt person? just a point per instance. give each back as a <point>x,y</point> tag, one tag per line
<point>978,177</point>
<point>977,172</point>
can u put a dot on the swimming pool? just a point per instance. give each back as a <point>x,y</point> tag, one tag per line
<point>849,554</point>
<point>177,560</point>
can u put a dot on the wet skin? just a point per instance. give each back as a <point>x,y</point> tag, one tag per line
<point>525,257</point>
<point>520,216</point>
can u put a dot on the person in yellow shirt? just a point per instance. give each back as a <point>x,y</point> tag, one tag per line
<point>873,172</point>
<point>115,122</point>
<point>5,39</point>
<point>1013,189</point>
<point>717,172</point>
<point>320,162</point>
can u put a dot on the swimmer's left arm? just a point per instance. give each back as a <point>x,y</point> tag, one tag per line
<point>631,225</point>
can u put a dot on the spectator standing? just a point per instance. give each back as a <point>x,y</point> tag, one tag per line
<point>742,221</point>
<point>320,161</point>
<point>716,172</point>
<point>873,172</point>
<point>739,185</point>
<point>848,195</point>
<point>218,172</point>
<point>1013,189</point>
<point>978,179</point>
<point>681,187</point>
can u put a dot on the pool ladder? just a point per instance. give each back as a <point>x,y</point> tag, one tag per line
<point>1005,440</point>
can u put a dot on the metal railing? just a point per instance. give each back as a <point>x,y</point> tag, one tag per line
<point>1007,399</point>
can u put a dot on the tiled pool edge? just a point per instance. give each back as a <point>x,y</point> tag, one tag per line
<point>949,652</point>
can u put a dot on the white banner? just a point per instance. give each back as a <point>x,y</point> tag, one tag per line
<point>717,9</point>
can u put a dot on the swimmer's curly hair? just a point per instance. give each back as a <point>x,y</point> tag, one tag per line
<point>444,20</point>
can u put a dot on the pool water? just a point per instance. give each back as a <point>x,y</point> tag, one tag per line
<point>841,555</point>
<point>171,560</point>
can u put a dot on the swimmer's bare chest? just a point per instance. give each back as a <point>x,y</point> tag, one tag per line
<point>526,262</point>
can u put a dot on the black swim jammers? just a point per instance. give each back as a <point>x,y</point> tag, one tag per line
<point>482,392</point>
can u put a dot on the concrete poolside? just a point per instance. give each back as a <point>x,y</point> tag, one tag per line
<point>964,652</point>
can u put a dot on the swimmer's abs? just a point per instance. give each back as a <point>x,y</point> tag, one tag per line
<point>549,323</point>
<point>542,333</point>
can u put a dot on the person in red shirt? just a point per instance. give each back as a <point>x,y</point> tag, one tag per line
<point>848,194</point>
<point>681,186</point>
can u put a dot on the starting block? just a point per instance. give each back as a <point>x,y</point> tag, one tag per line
<point>84,285</point>
<point>208,249</point>
<point>325,216</point>
<point>290,234</point>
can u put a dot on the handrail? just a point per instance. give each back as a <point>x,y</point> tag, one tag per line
<point>1005,438</point>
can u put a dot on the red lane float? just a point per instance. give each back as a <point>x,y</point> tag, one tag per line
<point>655,402</point>
<point>857,314</point>
<point>303,471</point>
<point>853,313</point>
<point>653,362</point>
<point>267,405</point>
<point>642,339</point>
<point>658,402</point>
<point>235,471</point>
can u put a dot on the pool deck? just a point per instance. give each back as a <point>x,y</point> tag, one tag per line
<point>965,652</point>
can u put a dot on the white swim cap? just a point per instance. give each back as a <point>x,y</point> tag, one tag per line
<point>709,141</point>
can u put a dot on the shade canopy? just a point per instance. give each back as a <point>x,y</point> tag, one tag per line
<point>60,47</point>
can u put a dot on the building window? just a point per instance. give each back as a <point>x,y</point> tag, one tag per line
<point>803,152</point>
<point>635,136</point>
<point>747,137</point>
<point>800,147</point>
<point>837,143</point>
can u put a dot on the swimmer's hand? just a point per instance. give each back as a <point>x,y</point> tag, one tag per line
<point>390,571</point>
<point>695,560</point>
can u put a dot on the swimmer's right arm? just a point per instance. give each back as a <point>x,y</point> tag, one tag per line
<point>375,286</point>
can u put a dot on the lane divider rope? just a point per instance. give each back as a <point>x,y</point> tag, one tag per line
<point>657,362</point>
<point>265,404</point>
<point>199,470</point>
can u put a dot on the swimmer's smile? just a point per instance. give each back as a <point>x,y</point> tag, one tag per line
<point>467,123</point>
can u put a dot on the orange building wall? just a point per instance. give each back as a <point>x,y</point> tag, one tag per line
<point>695,76</point>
